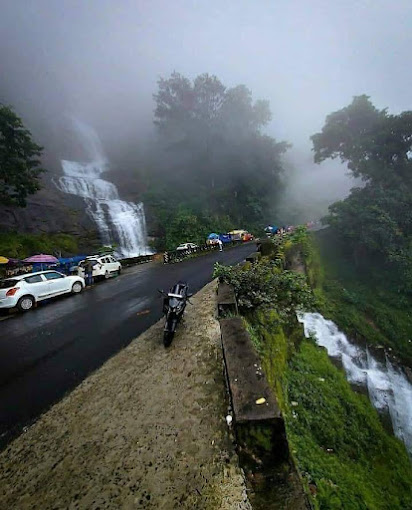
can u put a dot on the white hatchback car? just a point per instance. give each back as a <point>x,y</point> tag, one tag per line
<point>187,246</point>
<point>103,266</point>
<point>26,290</point>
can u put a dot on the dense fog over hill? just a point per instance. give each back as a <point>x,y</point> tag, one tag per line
<point>100,61</point>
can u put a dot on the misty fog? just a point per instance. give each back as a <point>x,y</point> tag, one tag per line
<point>100,60</point>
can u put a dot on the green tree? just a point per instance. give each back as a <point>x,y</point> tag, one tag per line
<point>375,220</point>
<point>375,145</point>
<point>211,156</point>
<point>19,160</point>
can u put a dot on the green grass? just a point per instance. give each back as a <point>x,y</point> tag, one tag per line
<point>364,302</point>
<point>19,246</point>
<point>270,342</point>
<point>346,458</point>
<point>342,450</point>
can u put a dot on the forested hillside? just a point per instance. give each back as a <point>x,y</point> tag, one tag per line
<point>212,167</point>
<point>374,223</point>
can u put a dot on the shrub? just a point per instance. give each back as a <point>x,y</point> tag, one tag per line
<point>264,284</point>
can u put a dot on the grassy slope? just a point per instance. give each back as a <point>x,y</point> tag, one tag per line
<point>346,457</point>
<point>363,303</point>
<point>365,467</point>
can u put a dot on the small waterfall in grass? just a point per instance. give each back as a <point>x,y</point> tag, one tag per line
<point>119,222</point>
<point>389,389</point>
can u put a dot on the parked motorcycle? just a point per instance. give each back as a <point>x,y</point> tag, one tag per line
<point>174,304</point>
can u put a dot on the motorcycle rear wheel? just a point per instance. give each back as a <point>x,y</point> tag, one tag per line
<point>167,338</point>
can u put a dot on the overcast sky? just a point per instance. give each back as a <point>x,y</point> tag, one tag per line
<point>100,59</point>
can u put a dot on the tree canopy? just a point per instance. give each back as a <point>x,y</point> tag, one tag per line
<point>211,155</point>
<point>375,220</point>
<point>19,160</point>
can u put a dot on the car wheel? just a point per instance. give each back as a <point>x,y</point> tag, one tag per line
<point>77,288</point>
<point>119,272</point>
<point>25,303</point>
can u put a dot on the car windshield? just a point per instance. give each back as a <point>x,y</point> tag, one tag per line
<point>8,284</point>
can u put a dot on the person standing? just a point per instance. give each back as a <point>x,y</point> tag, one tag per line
<point>89,273</point>
<point>219,242</point>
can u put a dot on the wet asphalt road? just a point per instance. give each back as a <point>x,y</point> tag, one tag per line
<point>47,352</point>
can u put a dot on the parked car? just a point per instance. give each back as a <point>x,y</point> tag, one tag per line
<point>247,236</point>
<point>187,246</point>
<point>103,266</point>
<point>25,290</point>
<point>236,235</point>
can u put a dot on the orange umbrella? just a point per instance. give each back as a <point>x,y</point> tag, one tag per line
<point>3,260</point>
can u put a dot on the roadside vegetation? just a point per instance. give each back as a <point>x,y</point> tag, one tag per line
<point>179,223</point>
<point>20,168</point>
<point>346,458</point>
<point>19,246</point>
<point>364,301</point>
<point>374,223</point>
<point>211,167</point>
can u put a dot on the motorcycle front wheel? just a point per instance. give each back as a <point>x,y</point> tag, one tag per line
<point>167,338</point>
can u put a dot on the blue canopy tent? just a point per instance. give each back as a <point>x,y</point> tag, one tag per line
<point>271,229</point>
<point>66,263</point>
<point>213,236</point>
<point>225,238</point>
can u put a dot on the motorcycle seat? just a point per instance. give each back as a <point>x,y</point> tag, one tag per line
<point>179,296</point>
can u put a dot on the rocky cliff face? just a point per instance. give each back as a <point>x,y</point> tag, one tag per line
<point>51,211</point>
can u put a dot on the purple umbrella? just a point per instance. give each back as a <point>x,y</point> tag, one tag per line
<point>42,259</point>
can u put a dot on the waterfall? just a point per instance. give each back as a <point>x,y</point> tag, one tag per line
<point>388,387</point>
<point>119,222</point>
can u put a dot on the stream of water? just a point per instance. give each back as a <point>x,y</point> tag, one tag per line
<point>389,389</point>
<point>119,222</point>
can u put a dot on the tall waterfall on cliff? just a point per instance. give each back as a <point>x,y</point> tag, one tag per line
<point>119,222</point>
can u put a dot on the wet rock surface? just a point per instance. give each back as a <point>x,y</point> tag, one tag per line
<point>147,430</point>
<point>49,210</point>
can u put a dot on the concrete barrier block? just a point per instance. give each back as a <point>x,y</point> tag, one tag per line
<point>260,428</point>
<point>253,258</point>
<point>226,300</point>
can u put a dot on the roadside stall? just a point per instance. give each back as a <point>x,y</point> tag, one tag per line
<point>69,265</point>
<point>13,267</point>
<point>236,235</point>
<point>212,239</point>
<point>225,238</point>
<point>3,262</point>
<point>42,262</point>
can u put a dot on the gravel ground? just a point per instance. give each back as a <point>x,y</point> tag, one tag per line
<point>146,430</point>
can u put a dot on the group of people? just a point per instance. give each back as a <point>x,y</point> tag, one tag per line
<point>18,270</point>
<point>279,230</point>
<point>284,230</point>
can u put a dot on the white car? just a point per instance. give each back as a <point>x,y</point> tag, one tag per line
<point>187,246</point>
<point>26,290</point>
<point>103,266</point>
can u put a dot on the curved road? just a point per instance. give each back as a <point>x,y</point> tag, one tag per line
<point>50,350</point>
